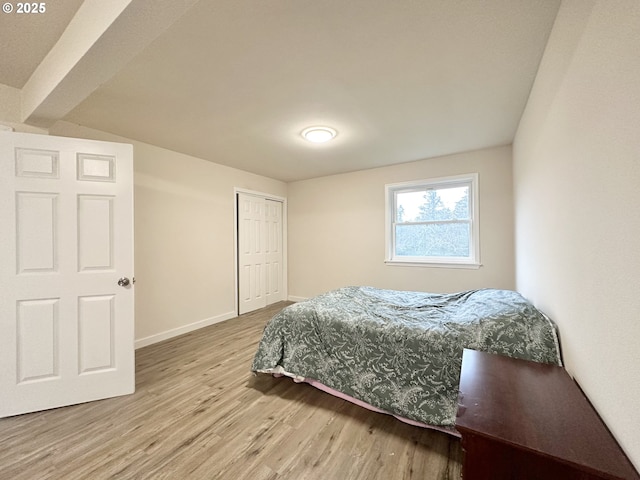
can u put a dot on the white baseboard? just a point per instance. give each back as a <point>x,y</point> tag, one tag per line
<point>159,337</point>
<point>293,298</point>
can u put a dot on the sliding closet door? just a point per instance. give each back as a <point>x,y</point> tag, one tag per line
<point>251,253</point>
<point>260,265</point>
<point>273,251</point>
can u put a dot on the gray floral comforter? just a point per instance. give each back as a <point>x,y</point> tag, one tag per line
<point>401,351</point>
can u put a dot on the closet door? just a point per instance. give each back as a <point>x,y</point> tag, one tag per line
<point>251,253</point>
<point>273,251</point>
<point>260,252</point>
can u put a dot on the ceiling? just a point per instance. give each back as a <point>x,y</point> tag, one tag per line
<point>25,39</point>
<point>236,81</point>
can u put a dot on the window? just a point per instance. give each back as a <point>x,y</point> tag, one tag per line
<point>433,222</point>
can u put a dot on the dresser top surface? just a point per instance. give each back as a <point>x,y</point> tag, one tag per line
<point>535,407</point>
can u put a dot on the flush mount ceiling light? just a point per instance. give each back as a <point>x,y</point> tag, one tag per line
<point>319,134</point>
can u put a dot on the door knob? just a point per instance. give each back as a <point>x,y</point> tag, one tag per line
<point>124,282</point>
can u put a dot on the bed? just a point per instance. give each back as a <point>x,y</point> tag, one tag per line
<point>400,352</point>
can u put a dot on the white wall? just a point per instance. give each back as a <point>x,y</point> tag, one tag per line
<point>336,228</point>
<point>10,111</point>
<point>184,234</point>
<point>577,198</point>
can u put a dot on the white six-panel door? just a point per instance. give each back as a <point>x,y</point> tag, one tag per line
<point>66,239</point>
<point>273,251</point>
<point>260,255</point>
<point>251,269</point>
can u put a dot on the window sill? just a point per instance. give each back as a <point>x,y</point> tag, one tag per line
<point>403,263</point>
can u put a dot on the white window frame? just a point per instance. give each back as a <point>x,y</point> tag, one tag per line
<point>391,191</point>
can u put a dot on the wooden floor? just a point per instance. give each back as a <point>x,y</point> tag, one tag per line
<point>198,413</point>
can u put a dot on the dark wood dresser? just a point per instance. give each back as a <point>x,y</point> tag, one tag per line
<point>523,420</point>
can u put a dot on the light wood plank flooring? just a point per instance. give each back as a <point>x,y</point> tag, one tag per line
<point>198,413</point>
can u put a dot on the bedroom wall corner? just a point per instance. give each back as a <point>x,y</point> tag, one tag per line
<point>10,114</point>
<point>576,177</point>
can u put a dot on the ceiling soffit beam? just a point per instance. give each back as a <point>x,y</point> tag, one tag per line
<point>101,38</point>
